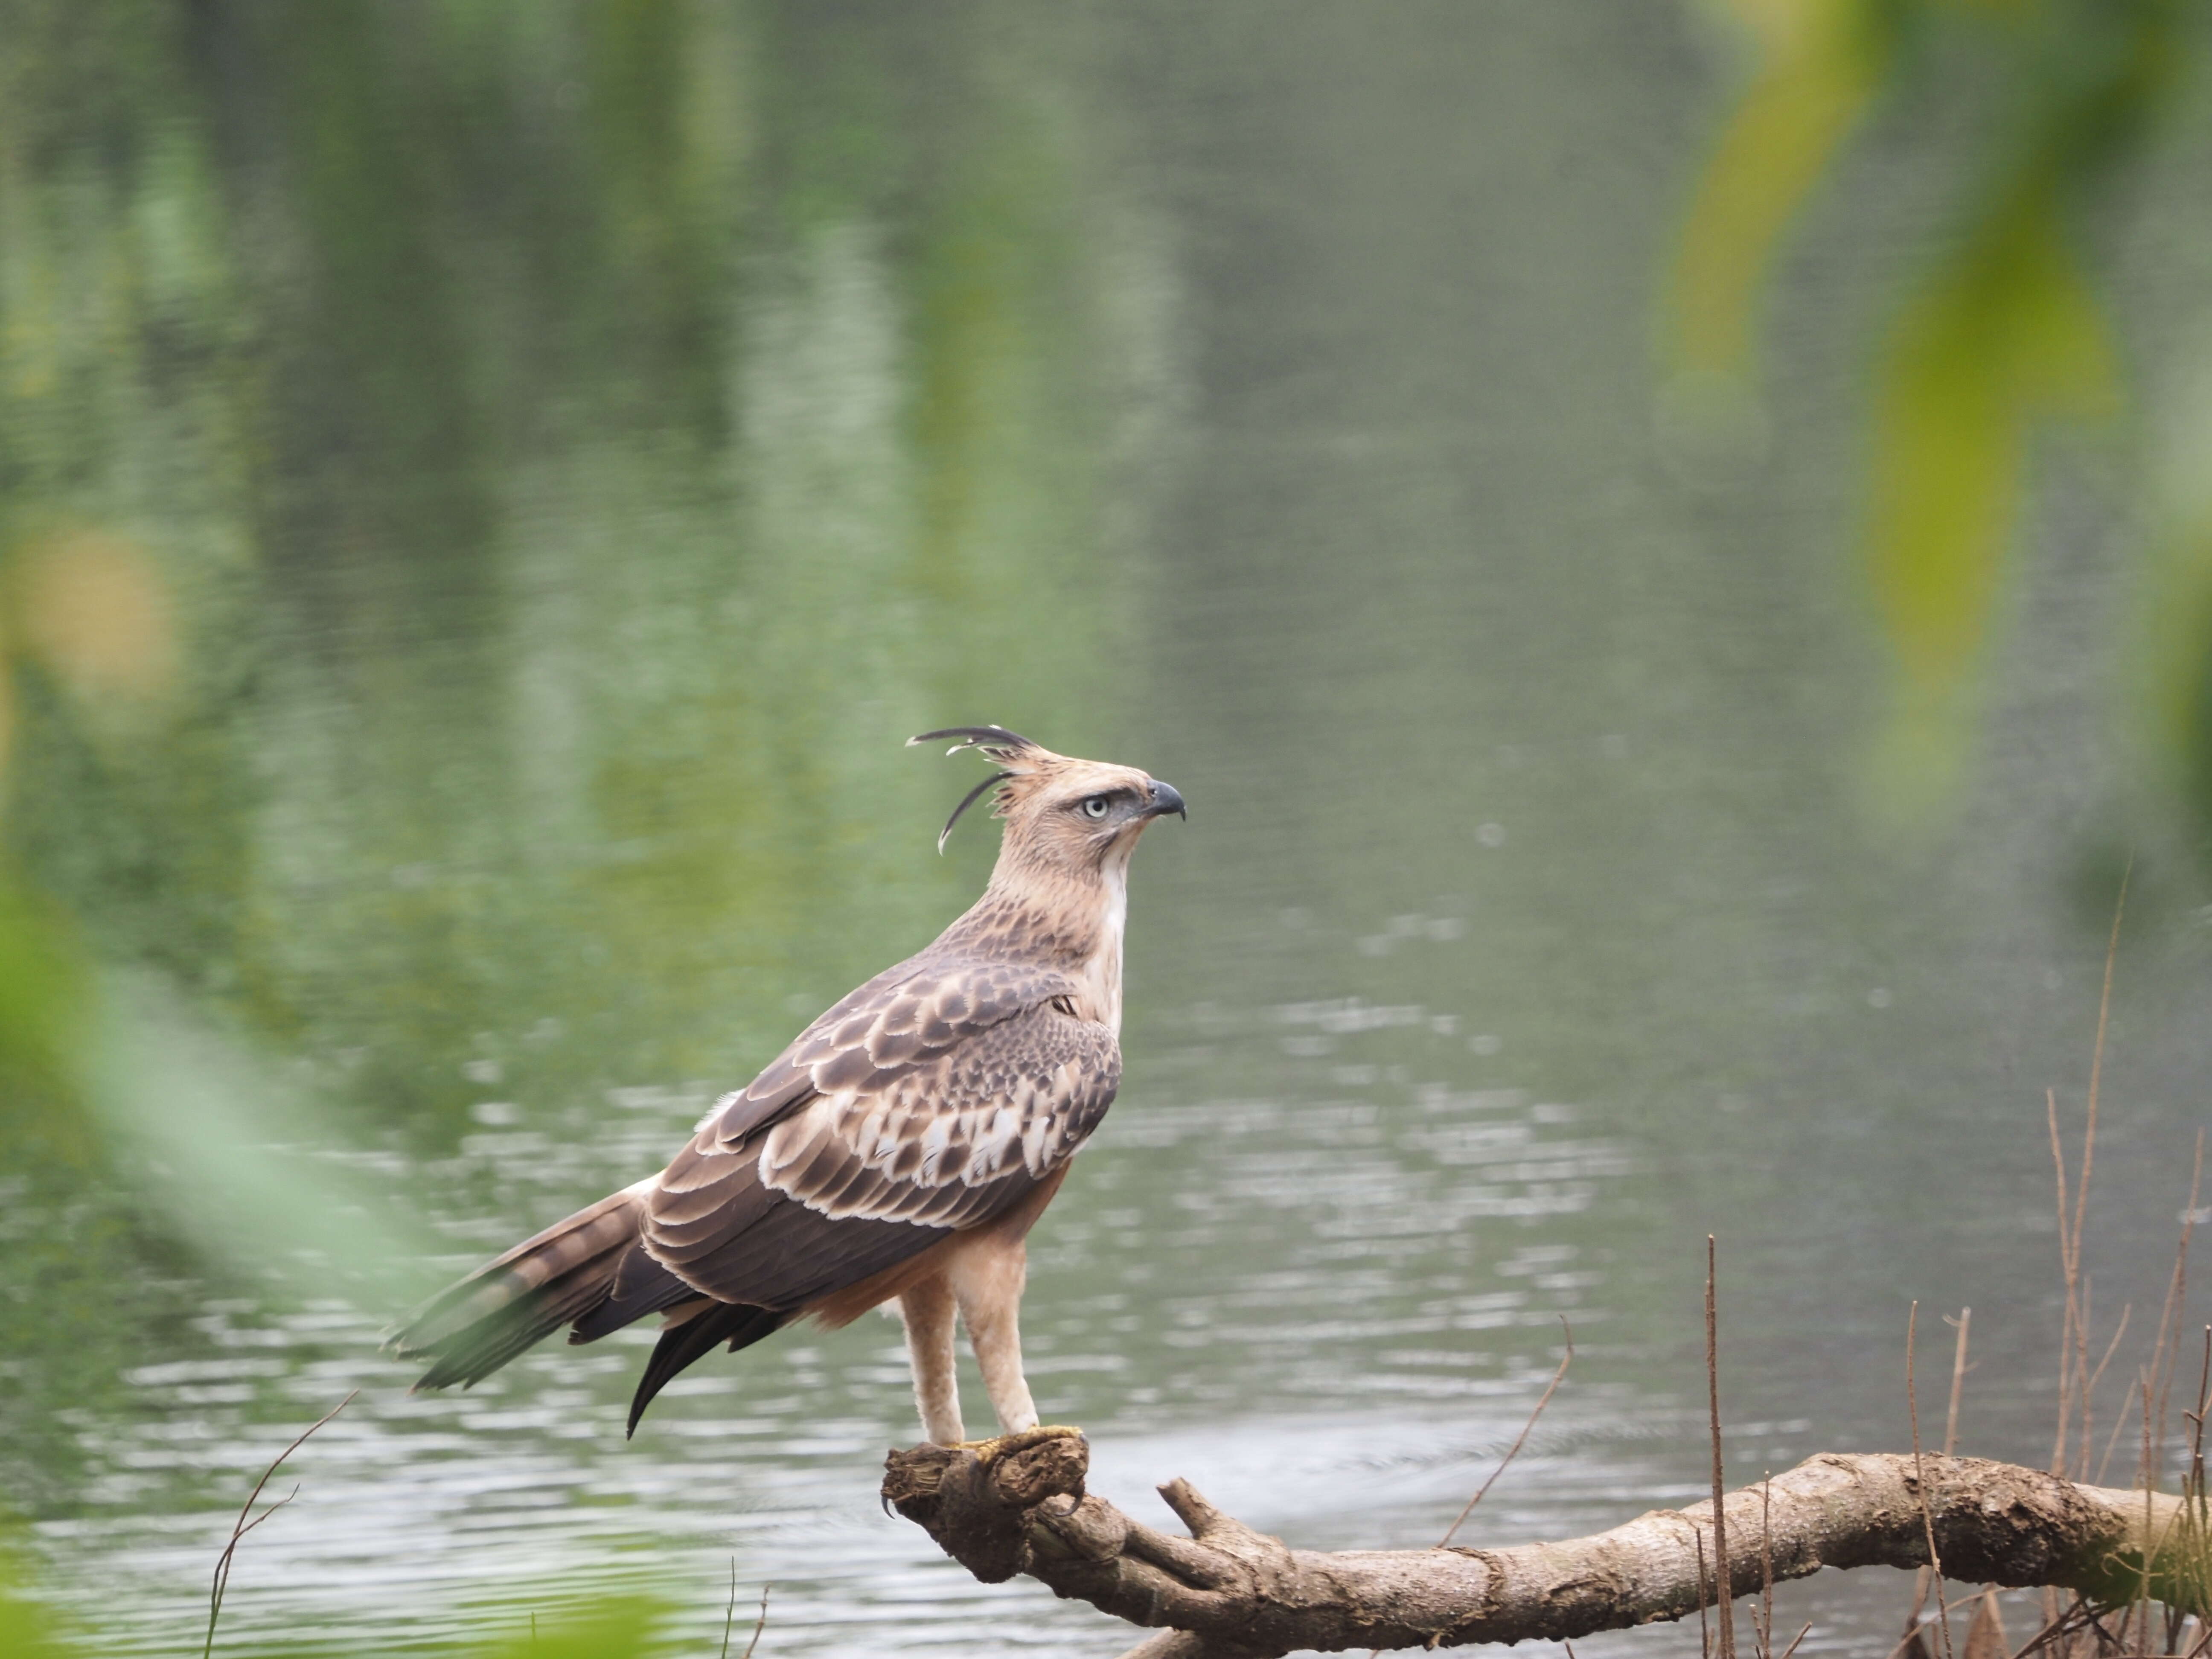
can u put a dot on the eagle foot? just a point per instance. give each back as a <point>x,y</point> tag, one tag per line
<point>973,1498</point>
<point>998,1447</point>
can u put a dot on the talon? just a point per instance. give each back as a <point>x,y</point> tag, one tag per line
<point>1005,1445</point>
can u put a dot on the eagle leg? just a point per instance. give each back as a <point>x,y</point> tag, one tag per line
<point>987,1282</point>
<point>927,1309</point>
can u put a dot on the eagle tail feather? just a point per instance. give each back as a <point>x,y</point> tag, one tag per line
<point>641,1286</point>
<point>472,1329</point>
<point>738,1323</point>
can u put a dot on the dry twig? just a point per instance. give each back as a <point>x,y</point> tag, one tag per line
<point>1961,1324</point>
<point>759,1624</point>
<point>242,1526</point>
<point>1519,1440</point>
<point>1723,1576</point>
<point>1934,1559</point>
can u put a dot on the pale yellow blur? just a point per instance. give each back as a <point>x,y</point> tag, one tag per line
<point>91,605</point>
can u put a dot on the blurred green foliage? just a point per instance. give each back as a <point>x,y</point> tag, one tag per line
<point>1818,62</point>
<point>613,1626</point>
<point>2002,332</point>
<point>28,1629</point>
<point>616,1628</point>
<point>484,490</point>
<point>397,346</point>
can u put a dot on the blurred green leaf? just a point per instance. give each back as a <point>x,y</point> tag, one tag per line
<point>614,1629</point>
<point>2180,662</point>
<point>1821,61</point>
<point>2003,333</point>
<point>2007,333</point>
<point>28,1629</point>
<point>229,1152</point>
<point>612,1626</point>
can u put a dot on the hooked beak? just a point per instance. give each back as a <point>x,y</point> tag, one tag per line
<point>1165,798</point>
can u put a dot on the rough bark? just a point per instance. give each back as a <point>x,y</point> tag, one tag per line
<point>1018,1505</point>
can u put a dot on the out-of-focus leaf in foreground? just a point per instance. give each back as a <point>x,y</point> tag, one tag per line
<point>2178,664</point>
<point>28,1629</point>
<point>1818,63</point>
<point>619,1627</point>
<point>610,1626</point>
<point>2006,335</point>
<point>230,1153</point>
<point>62,1320</point>
<point>2003,331</point>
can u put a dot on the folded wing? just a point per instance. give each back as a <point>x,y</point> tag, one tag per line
<point>936,1115</point>
<point>931,1100</point>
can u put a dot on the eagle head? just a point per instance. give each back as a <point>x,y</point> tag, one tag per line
<point>1078,815</point>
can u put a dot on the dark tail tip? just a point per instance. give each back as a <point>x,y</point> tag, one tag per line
<point>739,1324</point>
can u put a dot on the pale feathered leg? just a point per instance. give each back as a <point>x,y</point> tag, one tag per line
<point>927,1309</point>
<point>988,1284</point>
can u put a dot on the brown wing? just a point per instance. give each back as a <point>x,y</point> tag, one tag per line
<point>888,1128</point>
<point>908,1011</point>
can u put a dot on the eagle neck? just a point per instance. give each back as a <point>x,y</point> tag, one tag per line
<point>1063,918</point>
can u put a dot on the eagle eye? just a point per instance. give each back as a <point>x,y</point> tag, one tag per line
<point>1095,806</point>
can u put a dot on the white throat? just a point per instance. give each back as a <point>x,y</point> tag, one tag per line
<point>1102,973</point>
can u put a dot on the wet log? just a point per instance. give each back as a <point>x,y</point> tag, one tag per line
<point>1018,1505</point>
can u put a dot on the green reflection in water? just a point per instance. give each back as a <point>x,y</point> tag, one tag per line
<point>558,502</point>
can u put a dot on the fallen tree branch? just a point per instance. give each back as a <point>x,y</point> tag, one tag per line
<point>1018,1505</point>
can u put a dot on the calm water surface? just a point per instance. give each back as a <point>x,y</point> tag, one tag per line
<point>571,454</point>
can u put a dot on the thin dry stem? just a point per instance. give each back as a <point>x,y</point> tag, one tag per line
<point>1519,1440</point>
<point>2089,1394</point>
<point>1722,1575</point>
<point>242,1526</point>
<point>2074,1343</point>
<point>2150,1530</point>
<point>2059,1625</point>
<point>1963,1323</point>
<point>1705,1625</point>
<point>2088,1391</point>
<point>2192,1489</point>
<point>1766,1566</point>
<point>2068,1269</point>
<point>2197,1421</point>
<point>2071,1270</point>
<point>2166,1354</point>
<point>759,1624</point>
<point>2097,1056</point>
<point>1927,1518</point>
